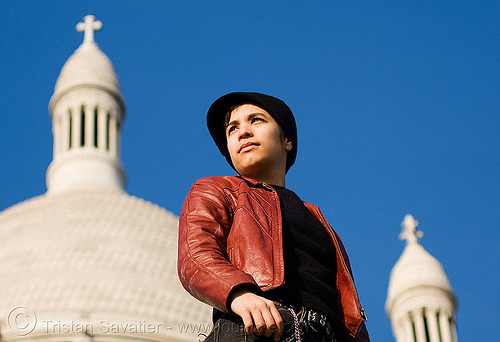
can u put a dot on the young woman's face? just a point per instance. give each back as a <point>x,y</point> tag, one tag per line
<point>256,145</point>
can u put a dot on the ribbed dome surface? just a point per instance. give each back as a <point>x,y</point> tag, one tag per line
<point>95,254</point>
<point>88,65</point>
<point>416,268</point>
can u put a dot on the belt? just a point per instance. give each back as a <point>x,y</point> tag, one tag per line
<point>310,322</point>
<point>317,323</point>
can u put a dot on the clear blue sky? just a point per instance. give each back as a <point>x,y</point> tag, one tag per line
<point>397,104</point>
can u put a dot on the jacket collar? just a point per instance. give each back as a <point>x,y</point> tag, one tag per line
<point>255,183</point>
<point>250,180</point>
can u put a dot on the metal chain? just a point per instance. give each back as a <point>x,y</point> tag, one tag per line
<point>296,323</point>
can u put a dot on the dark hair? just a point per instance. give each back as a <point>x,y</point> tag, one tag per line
<point>227,117</point>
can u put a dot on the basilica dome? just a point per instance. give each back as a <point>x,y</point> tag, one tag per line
<point>97,259</point>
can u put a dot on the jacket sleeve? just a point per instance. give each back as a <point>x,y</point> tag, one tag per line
<point>362,332</point>
<point>203,266</point>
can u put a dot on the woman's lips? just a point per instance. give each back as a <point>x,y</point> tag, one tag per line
<point>247,147</point>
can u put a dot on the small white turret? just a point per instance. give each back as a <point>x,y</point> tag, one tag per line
<point>87,111</point>
<point>420,301</point>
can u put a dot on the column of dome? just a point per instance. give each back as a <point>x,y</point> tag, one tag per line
<point>87,111</point>
<point>420,301</point>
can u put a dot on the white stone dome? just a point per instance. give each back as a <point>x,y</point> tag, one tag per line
<point>420,301</point>
<point>88,66</point>
<point>416,268</point>
<point>93,256</point>
<point>417,278</point>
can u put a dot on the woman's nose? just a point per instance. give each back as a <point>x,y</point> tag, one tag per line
<point>245,131</point>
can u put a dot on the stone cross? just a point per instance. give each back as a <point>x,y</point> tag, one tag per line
<point>410,232</point>
<point>88,27</point>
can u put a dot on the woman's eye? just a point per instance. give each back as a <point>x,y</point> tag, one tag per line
<point>256,119</point>
<point>231,129</point>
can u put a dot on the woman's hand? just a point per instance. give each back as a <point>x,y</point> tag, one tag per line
<point>259,314</point>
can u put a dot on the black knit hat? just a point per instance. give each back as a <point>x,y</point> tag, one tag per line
<point>275,107</point>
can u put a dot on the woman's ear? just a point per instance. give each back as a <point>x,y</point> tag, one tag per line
<point>288,145</point>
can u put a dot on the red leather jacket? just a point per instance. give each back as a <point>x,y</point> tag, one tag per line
<point>230,235</point>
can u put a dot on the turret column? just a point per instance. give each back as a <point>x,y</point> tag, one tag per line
<point>76,123</point>
<point>56,129</point>
<point>63,144</point>
<point>406,333</point>
<point>453,328</point>
<point>420,326</point>
<point>444,322</point>
<point>113,134</point>
<point>89,125</point>
<point>102,129</point>
<point>432,325</point>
